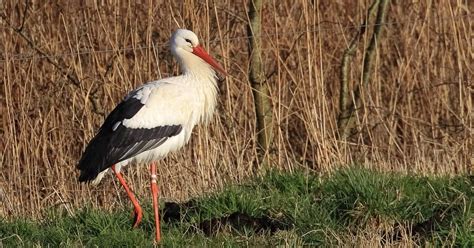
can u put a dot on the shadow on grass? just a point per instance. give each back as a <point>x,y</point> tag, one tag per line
<point>175,213</point>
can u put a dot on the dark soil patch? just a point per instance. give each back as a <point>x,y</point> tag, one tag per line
<point>175,212</point>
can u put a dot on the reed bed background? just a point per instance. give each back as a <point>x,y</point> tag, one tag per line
<point>65,64</point>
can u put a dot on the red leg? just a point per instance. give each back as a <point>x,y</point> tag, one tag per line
<point>154,191</point>
<point>137,208</point>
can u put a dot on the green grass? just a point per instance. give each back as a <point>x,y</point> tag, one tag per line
<point>279,209</point>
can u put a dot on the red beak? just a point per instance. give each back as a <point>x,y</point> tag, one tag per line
<point>201,53</point>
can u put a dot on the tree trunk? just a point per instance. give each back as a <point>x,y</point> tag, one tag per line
<point>261,93</point>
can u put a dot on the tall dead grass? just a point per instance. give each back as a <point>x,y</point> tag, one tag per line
<point>83,56</point>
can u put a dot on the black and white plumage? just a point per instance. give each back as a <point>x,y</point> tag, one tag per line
<point>158,117</point>
<point>116,142</point>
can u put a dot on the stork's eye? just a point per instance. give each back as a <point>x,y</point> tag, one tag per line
<point>188,41</point>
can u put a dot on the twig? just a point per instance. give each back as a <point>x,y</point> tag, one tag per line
<point>72,78</point>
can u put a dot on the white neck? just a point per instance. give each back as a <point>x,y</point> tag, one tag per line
<point>193,65</point>
<point>200,75</point>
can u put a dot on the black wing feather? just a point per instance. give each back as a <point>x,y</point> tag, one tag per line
<point>111,146</point>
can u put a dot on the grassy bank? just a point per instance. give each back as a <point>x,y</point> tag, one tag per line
<point>349,206</point>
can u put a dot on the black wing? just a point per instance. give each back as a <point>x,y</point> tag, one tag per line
<point>116,142</point>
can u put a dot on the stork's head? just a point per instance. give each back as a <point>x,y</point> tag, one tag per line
<point>185,46</point>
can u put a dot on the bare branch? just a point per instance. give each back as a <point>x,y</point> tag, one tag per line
<point>347,108</point>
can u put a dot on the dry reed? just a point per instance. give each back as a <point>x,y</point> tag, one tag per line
<point>417,113</point>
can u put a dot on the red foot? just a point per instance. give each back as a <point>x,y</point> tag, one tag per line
<point>138,215</point>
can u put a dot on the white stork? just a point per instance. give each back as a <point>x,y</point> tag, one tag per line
<point>155,119</point>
